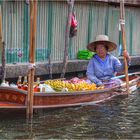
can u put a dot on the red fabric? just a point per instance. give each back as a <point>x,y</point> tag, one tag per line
<point>73,21</point>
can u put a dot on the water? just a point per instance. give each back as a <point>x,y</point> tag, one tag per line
<point>115,119</point>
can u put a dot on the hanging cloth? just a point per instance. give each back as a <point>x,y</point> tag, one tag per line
<point>73,26</point>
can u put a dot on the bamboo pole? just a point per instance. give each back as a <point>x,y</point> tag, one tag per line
<point>33,16</point>
<point>122,23</point>
<point>2,46</point>
<point>1,33</point>
<point>50,67</point>
<point>65,59</point>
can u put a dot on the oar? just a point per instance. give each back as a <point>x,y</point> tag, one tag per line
<point>122,23</point>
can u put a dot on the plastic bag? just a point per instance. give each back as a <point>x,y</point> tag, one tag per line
<point>85,54</point>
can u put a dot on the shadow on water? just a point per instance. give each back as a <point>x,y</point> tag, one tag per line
<point>115,119</point>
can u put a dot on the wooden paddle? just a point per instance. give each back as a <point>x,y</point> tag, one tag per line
<point>122,23</point>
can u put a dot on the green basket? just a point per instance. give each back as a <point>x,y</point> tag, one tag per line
<point>85,54</point>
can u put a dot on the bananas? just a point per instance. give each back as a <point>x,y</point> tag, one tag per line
<point>81,86</point>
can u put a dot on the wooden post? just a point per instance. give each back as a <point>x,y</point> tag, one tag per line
<point>1,33</point>
<point>33,16</point>
<point>50,67</point>
<point>122,23</point>
<point>65,59</point>
<point>2,46</point>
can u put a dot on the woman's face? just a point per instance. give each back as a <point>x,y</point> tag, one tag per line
<point>101,50</point>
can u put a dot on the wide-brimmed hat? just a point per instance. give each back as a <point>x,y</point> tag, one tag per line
<point>102,39</point>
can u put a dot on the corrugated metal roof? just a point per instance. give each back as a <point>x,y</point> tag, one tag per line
<point>93,18</point>
<point>15,28</point>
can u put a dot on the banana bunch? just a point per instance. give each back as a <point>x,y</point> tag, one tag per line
<point>59,85</point>
<point>56,84</point>
<point>81,86</point>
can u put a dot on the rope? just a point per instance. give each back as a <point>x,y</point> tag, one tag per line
<point>122,21</point>
<point>31,66</point>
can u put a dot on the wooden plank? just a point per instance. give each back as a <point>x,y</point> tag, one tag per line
<point>127,2</point>
<point>118,1</point>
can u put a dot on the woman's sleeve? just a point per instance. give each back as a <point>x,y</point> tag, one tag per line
<point>90,73</point>
<point>118,66</point>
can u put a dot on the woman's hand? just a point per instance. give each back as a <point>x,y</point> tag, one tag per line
<point>126,55</point>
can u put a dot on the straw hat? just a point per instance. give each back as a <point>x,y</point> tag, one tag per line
<point>102,39</point>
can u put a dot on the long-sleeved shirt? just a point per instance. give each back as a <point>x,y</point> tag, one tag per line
<point>99,70</point>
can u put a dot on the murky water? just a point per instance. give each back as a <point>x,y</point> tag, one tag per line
<point>115,119</point>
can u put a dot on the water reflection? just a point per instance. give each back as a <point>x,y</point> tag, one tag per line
<point>115,119</point>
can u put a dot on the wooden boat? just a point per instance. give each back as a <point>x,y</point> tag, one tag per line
<point>16,98</point>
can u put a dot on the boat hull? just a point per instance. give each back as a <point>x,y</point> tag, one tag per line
<point>54,101</point>
<point>17,98</point>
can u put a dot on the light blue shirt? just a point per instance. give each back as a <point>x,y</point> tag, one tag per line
<point>99,70</point>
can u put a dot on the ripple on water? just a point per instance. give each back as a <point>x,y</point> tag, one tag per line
<point>115,119</point>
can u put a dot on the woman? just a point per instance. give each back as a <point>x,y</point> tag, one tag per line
<point>103,66</point>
